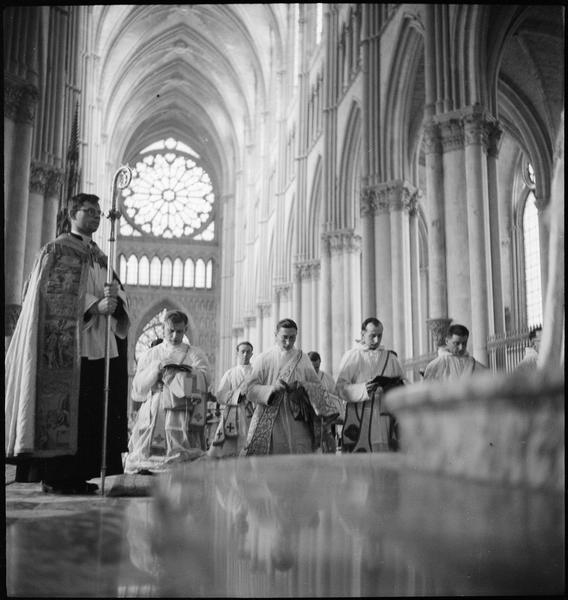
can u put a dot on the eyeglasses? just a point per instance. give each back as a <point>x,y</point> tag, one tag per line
<point>93,212</point>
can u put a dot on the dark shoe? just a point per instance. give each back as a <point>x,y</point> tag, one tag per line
<point>86,488</point>
<point>144,472</point>
<point>50,488</point>
<point>77,488</point>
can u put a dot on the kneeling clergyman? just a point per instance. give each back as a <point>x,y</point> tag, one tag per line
<point>289,399</point>
<point>172,382</point>
<point>236,411</point>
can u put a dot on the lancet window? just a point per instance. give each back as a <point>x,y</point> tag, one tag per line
<point>166,273</point>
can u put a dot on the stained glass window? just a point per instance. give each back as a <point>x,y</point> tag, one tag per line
<point>170,195</point>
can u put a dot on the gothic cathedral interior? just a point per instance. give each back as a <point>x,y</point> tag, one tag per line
<point>324,162</point>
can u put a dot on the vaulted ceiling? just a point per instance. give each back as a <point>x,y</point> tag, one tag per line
<point>196,72</point>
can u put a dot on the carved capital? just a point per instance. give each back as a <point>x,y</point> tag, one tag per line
<point>265,308</point>
<point>494,139</point>
<point>396,195</point>
<point>385,197</point>
<point>367,204</point>
<point>438,329</point>
<point>451,135</point>
<point>282,290</point>
<point>39,174</point>
<point>54,182</point>
<point>316,270</point>
<point>11,314</point>
<point>308,269</point>
<point>238,331</point>
<point>20,100</point>
<point>410,196</point>
<point>249,320</point>
<point>432,141</point>
<point>344,240</point>
<point>475,129</point>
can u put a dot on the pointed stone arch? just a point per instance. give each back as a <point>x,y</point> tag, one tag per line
<point>314,213</point>
<point>404,105</point>
<point>289,245</point>
<point>349,171</point>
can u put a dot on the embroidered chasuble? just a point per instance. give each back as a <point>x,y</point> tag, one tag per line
<point>285,422</point>
<point>43,361</point>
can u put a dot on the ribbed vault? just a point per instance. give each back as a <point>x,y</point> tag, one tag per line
<point>197,72</point>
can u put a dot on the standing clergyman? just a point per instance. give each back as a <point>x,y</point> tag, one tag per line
<point>55,364</point>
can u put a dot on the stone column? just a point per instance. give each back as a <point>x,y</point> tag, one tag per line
<point>544,241</point>
<point>259,326</point>
<point>417,316</point>
<point>238,335</point>
<point>38,184</point>
<point>276,306</point>
<point>227,312</point>
<point>437,288</point>
<point>352,289</point>
<point>552,348</point>
<point>455,221</point>
<point>284,291</point>
<point>425,345</point>
<point>338,284</point>
<point>20,101</point>
<point>315,303</point>
<point>398,323</point>
<point>495,135</point>
<point>250,326</point>
<point>305,314</point>
<point>296,312</point>
<point>51,204</point>
<point>325,300</point>
<point>367,207</point>
<point>267,327</point>
<point>475,129</point>
<point>383,262</point>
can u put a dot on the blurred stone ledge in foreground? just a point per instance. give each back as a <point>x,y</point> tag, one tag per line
<point>499,428</point>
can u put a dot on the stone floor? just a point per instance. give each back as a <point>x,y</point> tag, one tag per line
<point>301,526</point>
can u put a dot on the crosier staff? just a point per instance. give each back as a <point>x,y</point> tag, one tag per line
<point>120,181</point>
